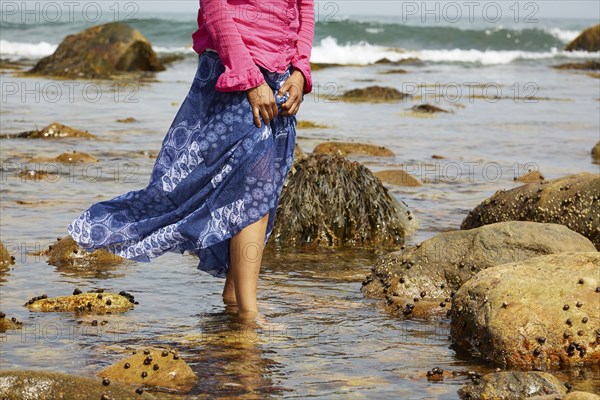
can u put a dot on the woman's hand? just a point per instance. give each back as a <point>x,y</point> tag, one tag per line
<point>262,103</point>
<point>293,85</point>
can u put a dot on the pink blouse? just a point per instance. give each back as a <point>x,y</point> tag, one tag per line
<point>246,34</point>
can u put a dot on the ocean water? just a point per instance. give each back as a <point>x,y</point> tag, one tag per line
<point>510,112</point>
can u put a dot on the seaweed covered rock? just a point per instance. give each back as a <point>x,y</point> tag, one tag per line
<point>43,385</point>
<point>6,259</point>
<point>66,252</point>
<point>588,40</point>
<point>100,52</point>
<point>512,385</point>
<point>420,281</point>
<point>330,201</point>
<point>352,148</point>
<point>152,367</point>
<point>397,177</point>
<point>373,94</point>
<point>542,313</point>
<point>99,302</point>
<point>590,65</point>
<point>53,131</point>
<point>596,153</point>
<point>9,323</point>
<point>573,201</point>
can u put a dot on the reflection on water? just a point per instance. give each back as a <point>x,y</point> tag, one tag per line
<point>336,343</point>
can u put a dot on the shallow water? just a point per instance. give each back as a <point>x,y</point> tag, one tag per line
<point>337,343</point>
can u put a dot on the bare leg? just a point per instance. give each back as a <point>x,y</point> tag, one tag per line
<point>246,249</point>
<point>229,290</point>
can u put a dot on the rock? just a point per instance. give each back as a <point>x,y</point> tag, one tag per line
<point>43,385</point>
<point>66,252</point>
<point>350,148</point>
<point>309,125</point>
<point>298,152</point>
<point>404,61</point>
<point>6,259</point>
<point>128,120</point>
<point>395,71</point>
<point>100,52</point>
<point>67,158</point>
<point>588,40</point>
<point>432,271</point>
<point>53,131</point>
<point>596,153</point>
<point>9,323</point>
<point>572,201</point>
<point>38,176</point>
<point>100,303</point>
<point>397,177</point>
<point>428,108</point>
<point>590,65</point>
<point>531,177</point>
<point>329,201</point>
<point>541,313</point>
<point>162,367</point>
<point>512,385</point>
<point>373,94</point>
<point>581,396</point>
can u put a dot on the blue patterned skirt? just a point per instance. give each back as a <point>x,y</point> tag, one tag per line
<point>215,174</point>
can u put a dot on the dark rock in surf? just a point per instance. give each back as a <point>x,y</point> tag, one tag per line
<point>101,52</point>
<point>588,40</point>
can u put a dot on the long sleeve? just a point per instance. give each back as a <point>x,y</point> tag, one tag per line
<point>301,60</point>
<point>241,73</point>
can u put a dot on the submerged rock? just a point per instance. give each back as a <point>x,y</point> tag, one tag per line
<point>512,385</point>
<point>73,157</point>
<point>66,252</point>
<point>330,201</point>
<point>153,367</point>
<point>573,201</point>
<point>542,313</point>
<point>9,323</point>
<point>53,131</point>
<point>310,125</point>
<point>373,94</point>
<point>588,40</point>
<point>43,385</point>
<point>351,148</point>
<point>100,52</point>
<point>596,153</point>
<point>397,177</point>
<point>428,108</point>
<point>6,259</point>
<point>420,281</point>
<point>97,302</point>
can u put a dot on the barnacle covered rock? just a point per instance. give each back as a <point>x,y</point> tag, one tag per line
<point>573,201</point>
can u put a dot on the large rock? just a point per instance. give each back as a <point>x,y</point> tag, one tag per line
<point>573,201</point>
<point>596,153</point>
<point>53,131</point>
<point>43,385</point>
<point>352,148</point>
<point>100,52</point>
<point>153,367</point>
<point>420,281</point>
<point>542,313</point>
<point>397,177</point>
<point>588,40</point>
<point>96,302</point>
<point>330,201</point>
<point>65,252</point>
<point>512,385</point>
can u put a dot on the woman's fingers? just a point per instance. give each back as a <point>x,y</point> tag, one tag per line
<point>256,114</point>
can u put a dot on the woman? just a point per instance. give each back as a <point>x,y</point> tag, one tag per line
<point>217,179</point>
